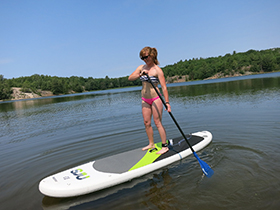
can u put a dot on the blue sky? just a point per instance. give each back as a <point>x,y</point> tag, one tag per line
<point>91,38</point>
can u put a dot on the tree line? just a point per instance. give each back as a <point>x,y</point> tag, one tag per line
<point>61,85</point>
<point>252,60</point>
<point>194,69</point>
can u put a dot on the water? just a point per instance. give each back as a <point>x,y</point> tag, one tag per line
<point>44,136</point>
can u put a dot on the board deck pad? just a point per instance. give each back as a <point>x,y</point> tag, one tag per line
<point>137,158</point>
<point>193,140</point>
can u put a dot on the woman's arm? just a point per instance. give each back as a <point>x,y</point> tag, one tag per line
<point>136,74</point>
<point>164,88</point>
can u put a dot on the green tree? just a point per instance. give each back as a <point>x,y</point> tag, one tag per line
<point>267,63</point>
<point>57,86</point>
<point>5,89</point>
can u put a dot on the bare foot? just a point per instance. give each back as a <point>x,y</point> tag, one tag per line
<point>148,147</point>
<point>162,151</point>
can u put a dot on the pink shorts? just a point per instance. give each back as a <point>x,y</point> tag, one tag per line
<point>150,100</point>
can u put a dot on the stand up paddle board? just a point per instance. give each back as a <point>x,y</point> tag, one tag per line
<point>107,172</point>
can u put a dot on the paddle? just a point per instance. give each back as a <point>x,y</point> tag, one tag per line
<point>204,166</point>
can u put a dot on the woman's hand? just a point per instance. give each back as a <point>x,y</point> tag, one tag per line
<point>143,72</point>
<point>168,107</point>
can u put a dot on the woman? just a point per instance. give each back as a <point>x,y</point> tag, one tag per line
<point>151,103</point>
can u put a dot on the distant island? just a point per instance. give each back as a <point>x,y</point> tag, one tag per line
<point>229,65</point>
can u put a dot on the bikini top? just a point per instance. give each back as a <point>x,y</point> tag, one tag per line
<point>144,78</point>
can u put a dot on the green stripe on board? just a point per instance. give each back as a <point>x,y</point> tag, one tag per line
<point>148,158</point>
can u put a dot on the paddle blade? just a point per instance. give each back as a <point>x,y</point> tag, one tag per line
<point>204,166</point>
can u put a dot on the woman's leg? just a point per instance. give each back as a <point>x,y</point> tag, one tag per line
<point>147,116</point>
<point>157,108</point>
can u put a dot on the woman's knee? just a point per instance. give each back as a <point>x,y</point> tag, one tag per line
<point>147,124</point>
<point>158,123</point>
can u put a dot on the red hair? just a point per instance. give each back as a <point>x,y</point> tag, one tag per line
<point>151,52</point>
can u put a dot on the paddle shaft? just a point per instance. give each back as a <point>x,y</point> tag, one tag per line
<point>171,115</point>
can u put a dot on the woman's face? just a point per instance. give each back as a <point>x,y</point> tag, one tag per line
<point>147,58</point>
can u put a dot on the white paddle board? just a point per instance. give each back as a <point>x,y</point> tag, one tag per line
<point>107,172</point>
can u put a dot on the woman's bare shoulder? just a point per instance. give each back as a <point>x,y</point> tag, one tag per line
<point>159,70</point>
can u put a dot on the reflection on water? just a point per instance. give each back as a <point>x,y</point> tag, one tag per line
<point>239,87</point>
<point>160,189</point>
<point>43,136</point>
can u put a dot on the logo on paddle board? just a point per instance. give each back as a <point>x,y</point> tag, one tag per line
<point>79,175</point>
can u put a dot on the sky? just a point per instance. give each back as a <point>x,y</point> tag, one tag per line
<point>99,38</point>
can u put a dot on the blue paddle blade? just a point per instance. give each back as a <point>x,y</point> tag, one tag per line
<point>204,166</point>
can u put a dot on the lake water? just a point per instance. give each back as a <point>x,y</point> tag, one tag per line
<point>43,136</point>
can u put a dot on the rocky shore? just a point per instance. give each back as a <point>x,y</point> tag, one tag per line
<point>18,94</point>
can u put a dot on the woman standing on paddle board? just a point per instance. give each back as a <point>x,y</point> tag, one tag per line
<point>151,103</point>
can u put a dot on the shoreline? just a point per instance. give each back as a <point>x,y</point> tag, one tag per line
<point>184,78</point>
<point>20,95</point>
